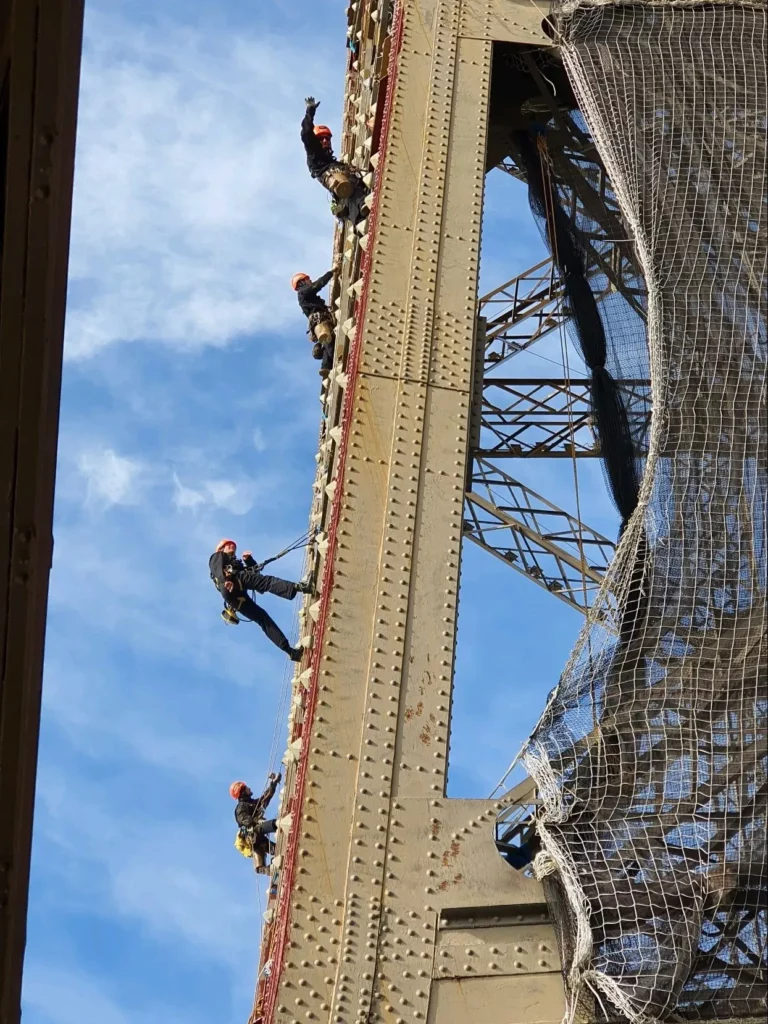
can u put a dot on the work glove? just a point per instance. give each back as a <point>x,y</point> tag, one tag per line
<point>312,103</point>
<point>274,777</point>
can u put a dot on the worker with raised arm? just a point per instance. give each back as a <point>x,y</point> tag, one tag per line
<point>234,577</point>
<point>253,827</point>
<point>319,316</point>
<point>345,184</point>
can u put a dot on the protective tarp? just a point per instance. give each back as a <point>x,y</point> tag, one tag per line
<point>651,755</point>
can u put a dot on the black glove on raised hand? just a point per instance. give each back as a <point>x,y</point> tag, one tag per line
<point>311,103</point>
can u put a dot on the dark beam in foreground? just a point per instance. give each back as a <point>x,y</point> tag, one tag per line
<point>40,45</point>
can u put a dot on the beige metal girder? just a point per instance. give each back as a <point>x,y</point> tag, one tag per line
<point>394,904</point>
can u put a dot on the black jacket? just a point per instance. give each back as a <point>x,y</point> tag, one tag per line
<point>242,571</point>
<point>250,811</point>
<point>318,159</point>
<point>309,301</point>
<point>224,567</point>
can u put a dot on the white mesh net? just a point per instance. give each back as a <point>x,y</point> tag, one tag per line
<point>651,755</point>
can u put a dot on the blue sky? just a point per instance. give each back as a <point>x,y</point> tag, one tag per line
<point>190,412</point>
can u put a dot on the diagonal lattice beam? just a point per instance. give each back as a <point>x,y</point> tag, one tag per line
<point>535,537</point>
<point>520,312</point>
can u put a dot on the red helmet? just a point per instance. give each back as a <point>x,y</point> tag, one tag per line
<point>297,279</point>
<point>223,543</point>
<point>237,789</point>
<point>322,131</point>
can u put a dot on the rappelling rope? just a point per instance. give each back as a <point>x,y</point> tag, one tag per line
<point>541,144</point>
<point>288,670</point>
<point>304,541</point>
<point>549,215</point>
<point>273,761</point>
<point>282,708</point>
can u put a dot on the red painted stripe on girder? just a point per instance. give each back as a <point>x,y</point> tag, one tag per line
<point>278,943</point>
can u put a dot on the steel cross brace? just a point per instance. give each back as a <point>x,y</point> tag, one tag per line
<point>535,536</point>
<point>589,199</point>
<point>536,417</point>
<point>520,312</point>
<point>550,418</point>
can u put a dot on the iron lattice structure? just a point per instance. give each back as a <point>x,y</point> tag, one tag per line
<point>389,901</point>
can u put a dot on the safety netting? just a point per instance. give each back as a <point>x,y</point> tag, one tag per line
<point>605,296</point>
<point>651,756</point>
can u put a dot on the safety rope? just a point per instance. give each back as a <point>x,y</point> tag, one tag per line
<point>304,541</point>
<point>552,231</point>
<point>541,144</point>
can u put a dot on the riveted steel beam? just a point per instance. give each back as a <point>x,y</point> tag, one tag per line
<point>375,850</point>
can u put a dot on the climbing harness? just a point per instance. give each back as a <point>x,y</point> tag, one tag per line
<point>228,614</point>
<point>321,327</point>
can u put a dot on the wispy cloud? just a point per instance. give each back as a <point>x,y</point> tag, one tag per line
<point>110,479</point>
<point>192,205</point>
<point>236,495</point>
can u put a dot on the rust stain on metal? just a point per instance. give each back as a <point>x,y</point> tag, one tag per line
<point>414,712</point>
<point>426,733</point>
<point>449,881</point>
<point>451,853</point>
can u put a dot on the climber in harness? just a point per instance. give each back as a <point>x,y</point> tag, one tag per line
<point>253,829</point>
<point>319,317</point>
<point>344,184</point>
<point>234,577</point>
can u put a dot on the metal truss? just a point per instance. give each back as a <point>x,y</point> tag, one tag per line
<point>520,312</point>
<point>534,536</point>
<point>548,418</point>
<point>551,418</point>
<point>529,417</point>
<point>515,826</point>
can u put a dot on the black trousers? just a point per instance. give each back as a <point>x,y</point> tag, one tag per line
<point>263,828</point>
<point>324,352</point>
<point>252,579</point>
